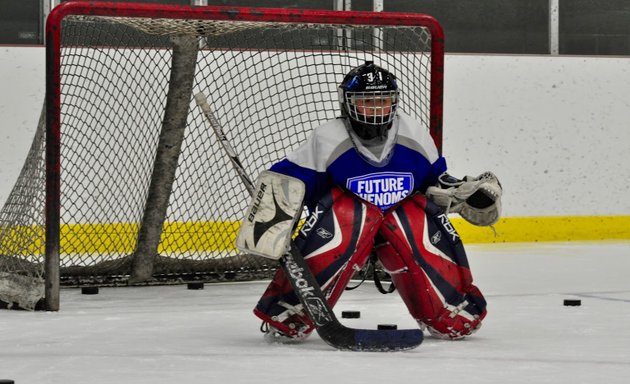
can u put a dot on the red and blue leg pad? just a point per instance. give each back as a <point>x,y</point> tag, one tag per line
<point>336,241</point>
<point>429,268</point>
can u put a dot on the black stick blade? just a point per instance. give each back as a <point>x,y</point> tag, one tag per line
<point>370,340</point>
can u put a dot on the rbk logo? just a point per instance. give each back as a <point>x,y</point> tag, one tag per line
<point>318,311</point>
<point>323,233</point>
<point>311,221</point>
<point>448,227</point>
<point>436,238</point>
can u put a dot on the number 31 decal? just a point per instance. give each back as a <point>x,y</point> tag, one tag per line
<point>371,76</point>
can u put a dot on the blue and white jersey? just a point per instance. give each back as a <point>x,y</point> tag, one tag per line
<point>334,156</point>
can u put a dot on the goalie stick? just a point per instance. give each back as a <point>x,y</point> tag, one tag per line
<point>308,290</point>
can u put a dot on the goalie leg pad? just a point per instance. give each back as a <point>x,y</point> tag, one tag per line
<point>429,268</point>
<point>336,241</point>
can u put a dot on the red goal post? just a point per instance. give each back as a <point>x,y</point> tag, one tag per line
<point>137,190</point>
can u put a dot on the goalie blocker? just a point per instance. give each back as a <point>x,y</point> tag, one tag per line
<point>275,207</point>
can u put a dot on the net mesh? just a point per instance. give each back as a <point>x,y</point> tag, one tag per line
<point>269,84</point>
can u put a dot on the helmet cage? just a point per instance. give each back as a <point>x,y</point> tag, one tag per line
<point>371,108</point>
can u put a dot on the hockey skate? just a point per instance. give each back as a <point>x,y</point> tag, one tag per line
<point>274,335</point>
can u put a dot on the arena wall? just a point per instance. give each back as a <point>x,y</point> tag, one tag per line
<point>553,128</point>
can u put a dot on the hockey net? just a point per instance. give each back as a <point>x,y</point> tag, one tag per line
<point>129,185</point>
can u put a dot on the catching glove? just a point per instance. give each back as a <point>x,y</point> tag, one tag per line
<point>476,199</point>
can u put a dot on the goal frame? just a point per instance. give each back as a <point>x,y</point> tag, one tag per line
<point>53,83</point>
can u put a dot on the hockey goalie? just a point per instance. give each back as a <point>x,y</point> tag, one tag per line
<point>374,184</point>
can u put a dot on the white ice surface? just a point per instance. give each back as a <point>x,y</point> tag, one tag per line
<point>174,335</point>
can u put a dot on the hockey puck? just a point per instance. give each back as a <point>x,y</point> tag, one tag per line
<point>572,303</point>
<point>7,381</point>
<point>89,290</point>
<point>195,285</point>
<point>382,327</point>
<point>350,314</point>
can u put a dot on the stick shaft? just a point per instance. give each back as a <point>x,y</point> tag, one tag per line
<point>202,102</point>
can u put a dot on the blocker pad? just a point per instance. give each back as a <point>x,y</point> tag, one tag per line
<point>276,205</point>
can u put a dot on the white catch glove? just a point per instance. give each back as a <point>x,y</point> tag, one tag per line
<point>476,199</point>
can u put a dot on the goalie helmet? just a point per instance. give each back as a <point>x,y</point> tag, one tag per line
<point>369,97</point>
